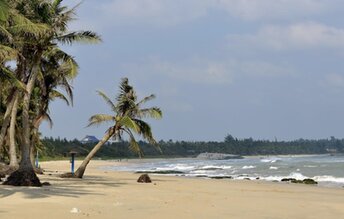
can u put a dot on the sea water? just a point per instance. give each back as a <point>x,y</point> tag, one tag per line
<point>327,170</point>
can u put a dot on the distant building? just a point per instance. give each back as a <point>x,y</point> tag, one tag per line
<point>89,139</point>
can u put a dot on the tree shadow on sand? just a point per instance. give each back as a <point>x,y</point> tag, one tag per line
<point>61,187</point>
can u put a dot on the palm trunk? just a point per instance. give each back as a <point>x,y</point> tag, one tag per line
<point>6,122</point>
<point>81,170</point>
<point>25,175</point>
<point>12,131</point>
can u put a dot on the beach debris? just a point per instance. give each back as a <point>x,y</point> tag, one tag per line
<point>144,178</point>
<point>75,211</point>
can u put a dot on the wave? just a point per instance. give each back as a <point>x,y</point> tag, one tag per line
<point>248,167</point>
<point>326,178</point>
<point>273,168</point>
<point>270,160</point>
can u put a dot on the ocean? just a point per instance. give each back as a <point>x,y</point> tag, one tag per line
<point>327,170</point>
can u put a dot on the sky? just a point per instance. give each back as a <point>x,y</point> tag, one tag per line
<point>264,69</point>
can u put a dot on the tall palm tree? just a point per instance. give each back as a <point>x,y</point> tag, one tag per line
<point>127,118</point>
<point>33,50</point>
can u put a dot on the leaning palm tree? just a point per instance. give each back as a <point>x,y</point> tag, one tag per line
<point>127,118</point>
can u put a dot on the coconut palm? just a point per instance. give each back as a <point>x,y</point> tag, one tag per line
<point>33,50</point>
<point>127,118</point>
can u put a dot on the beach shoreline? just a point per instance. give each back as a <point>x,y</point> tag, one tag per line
<point>113,194</point>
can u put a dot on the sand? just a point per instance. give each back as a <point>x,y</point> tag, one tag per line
<point>105,194</point>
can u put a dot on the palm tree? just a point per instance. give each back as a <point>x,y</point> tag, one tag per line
<point>127,118</point>
<point>33,49</point>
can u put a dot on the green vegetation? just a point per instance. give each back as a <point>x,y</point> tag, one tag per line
<point>58,147</point>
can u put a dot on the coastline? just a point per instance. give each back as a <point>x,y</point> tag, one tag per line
<point>110,194</point>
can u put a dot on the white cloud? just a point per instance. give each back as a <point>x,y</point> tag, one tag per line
<point>171,12</point>
<point>297,36</point>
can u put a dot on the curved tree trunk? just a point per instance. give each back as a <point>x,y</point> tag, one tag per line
<point>12,131</point>
<point>81,170</point>
<point>7,119</point>
<point>25,175</point>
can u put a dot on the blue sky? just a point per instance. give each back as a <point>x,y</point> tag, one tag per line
<point>251,68</point>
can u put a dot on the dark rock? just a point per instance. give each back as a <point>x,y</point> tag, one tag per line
<point>296,181</point>
<point>162,172</point>
<point>221,177</point>
<point>257,178</point>
<point>310,181</point>
<point>247,179</point>
<point>46,184</point>
<point>287,179</point>
<point>201,176</point>
<point>144,178</point>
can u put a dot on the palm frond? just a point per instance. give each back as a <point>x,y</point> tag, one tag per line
<point>24,26</point>
<point>146,132</point>
<point>47,118</point>
<point>133,145</point>
<point>146,99</point>
<point>4,10</point>
<point>54,94</point>
<point>81,37</point>
<point>153,112</point>
<point>8,75</point>
<point>99,119</point>
<point>5,34</point>
<point>107,100</point>
<point>127,122</point>
<point>7,53</point>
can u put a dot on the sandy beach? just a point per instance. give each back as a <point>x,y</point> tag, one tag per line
<point>106,194</point>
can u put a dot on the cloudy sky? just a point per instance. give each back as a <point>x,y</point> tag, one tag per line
<point>252,68</point>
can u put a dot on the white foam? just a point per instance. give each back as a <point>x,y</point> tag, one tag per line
<point>273,168</point>
<point>179,167</point>
<point>270,160</point>
<point>329,179</point>
<point>248,167</point>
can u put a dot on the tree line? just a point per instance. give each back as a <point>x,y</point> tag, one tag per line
<point>56,147</point>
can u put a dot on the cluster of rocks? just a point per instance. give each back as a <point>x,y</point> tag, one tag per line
<point>305,181</point>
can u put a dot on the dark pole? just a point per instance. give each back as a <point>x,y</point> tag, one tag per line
<point>72,164</point>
